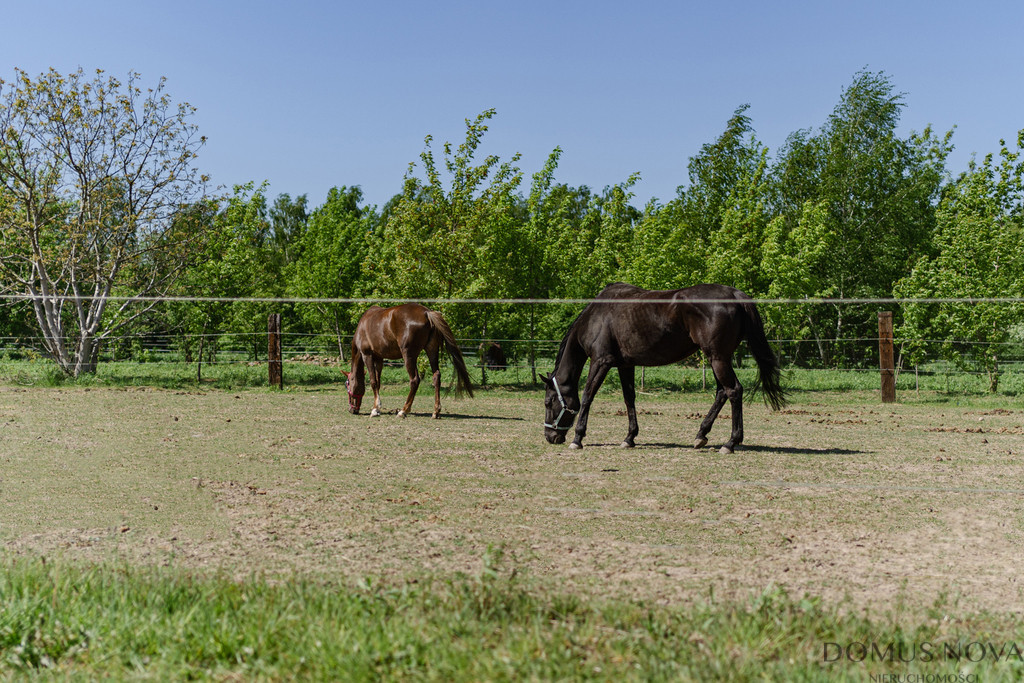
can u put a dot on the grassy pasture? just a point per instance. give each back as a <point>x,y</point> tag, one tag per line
<point>840,520</point>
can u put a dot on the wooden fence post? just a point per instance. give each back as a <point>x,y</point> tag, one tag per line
<point>274,360</point>
<point>481,351</point>
<point>886,361</point>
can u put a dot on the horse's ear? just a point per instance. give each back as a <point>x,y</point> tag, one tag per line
<point>546,379</point>
<point>347,376</point>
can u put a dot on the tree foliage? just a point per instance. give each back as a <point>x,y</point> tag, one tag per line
<point>853,209</point>
<point>455,233</point>
<point>977,252</point>
<point>238,260</point>
<point>329,251</point>
<point>873,193</point>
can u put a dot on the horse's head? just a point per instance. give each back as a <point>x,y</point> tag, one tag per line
<point>355,390</point>
<point>560,408</point>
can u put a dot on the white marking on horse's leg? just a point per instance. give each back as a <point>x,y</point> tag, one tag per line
<point>402,413</point>
<point>374,413</point>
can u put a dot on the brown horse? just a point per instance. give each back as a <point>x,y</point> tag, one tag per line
<point>401,332</point>
<point>658,328</point>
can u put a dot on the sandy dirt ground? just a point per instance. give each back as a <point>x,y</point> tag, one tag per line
<point>874,507</point>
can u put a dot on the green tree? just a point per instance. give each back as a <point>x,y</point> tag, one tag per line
<point>878,193</point>
<point>607,235</point>
<point>287,221</point>
<point>236,263</point>
<point>668,252</point>
<point>712,229</point>
<point>735,252</point>
<point>793,265</point>
<point>977,254</point>
<point>16,325</point>
<point>717,173</point>
<point>454,242</point>
<point>93,173</point>
<point>328,261</point>
<point>561,228</point>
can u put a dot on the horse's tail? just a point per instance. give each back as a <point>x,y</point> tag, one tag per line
<point>463,383</point>
<point>769,373</point>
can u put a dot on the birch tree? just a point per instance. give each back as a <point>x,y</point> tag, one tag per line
<point>977,255</point>
<point>874,191</point>
<point>94,177</point>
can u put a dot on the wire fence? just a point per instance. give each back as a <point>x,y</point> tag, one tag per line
<point>522,357</point>
<point>484,300</point>
<point>518,359</point>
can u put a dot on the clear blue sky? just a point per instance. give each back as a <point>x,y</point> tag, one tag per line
<point>311,95</point>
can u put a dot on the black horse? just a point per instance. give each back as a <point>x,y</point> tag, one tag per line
<point>626,326</point>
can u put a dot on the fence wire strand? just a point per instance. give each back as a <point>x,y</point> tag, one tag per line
<point>438,300</point>
<point>176,347</point>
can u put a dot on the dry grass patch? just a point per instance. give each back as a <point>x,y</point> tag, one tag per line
<point>837,496</point>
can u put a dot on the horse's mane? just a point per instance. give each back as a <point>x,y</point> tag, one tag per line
<point>572,326</point>
<point>565,339</point>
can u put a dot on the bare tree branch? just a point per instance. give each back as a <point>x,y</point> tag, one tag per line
<point>93,173</point>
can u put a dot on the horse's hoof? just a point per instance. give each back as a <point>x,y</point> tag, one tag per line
<point>626,444</point>
<point>700,442</point>
<point>436,416</point>
<point>402,413</point>
<point>374,413</point>
<point>725,450</point>
<point>575,446</point>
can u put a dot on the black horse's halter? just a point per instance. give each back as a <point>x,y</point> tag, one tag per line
<point>565,409</point>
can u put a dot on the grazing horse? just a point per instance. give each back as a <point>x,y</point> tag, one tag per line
<point>658,328</point>
<point>492,356</point>
<point>401,332</point>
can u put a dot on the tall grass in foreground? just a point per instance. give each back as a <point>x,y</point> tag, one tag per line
<point>72,622</point>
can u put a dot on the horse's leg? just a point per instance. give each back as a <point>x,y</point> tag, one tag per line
<point>627,375</point>
<point>716,407</point>
<point>374,368</point>
<point>596,375</point>
<point>432,357</point>
<point>378,372</point>
<point>732,389</point>
<point>414,380</point>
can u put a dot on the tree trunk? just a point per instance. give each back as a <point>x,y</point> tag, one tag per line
<point>533,344</point>
<point>822,351</point>
<point>199,363</point>
<point>90,356</point>
<point>73,360</point>
<point>341,343</point>
<point>483,365</point>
